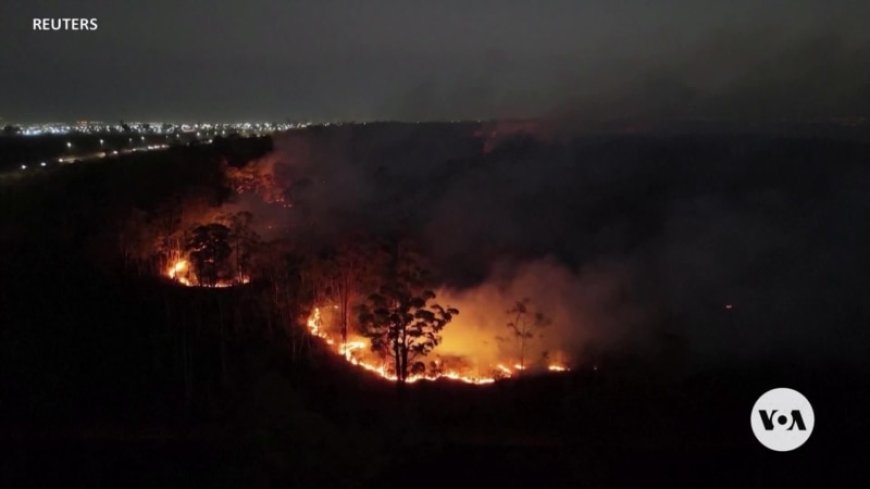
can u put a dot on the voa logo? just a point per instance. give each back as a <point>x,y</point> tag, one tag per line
<point>782,419</point>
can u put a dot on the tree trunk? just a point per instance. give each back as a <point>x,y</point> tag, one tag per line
<point>344,313</point>
<point>523,352</point>
<point>223,342</point>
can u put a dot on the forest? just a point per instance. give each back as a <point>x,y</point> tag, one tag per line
<point>386,305</point>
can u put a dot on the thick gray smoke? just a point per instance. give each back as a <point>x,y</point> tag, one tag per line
<point>725,247</point>
<point>778,64</point>
<point>593,62</point>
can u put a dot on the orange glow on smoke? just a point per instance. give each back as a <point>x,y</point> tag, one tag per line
<point>468,353</point>
<point>356,353</point>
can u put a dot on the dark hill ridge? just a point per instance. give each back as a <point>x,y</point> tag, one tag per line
<point>112,376</point>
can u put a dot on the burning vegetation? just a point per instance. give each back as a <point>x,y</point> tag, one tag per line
<point>395,330</point>
<point>374,295</point>
<point>214,255</point>
<point>393,364</point>
<point>374,307</point>
<point>399,333</point>
<point>452,273</point>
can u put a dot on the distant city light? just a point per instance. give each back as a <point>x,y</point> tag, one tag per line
<point>155,127</point>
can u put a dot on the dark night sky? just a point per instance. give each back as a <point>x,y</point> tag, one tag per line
<point>184,60</point>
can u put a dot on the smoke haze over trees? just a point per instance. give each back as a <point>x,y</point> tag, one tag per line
<point>631,240</point>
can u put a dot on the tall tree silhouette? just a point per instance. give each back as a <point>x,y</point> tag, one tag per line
<point>244,242</point>
<point>399,319</point>
<point>209,250</point>
<point>349,270</point>
<point>524,325</point>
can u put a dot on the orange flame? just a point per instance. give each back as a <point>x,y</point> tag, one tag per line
<point>178,271</point>
<point>352,351</point>
<point>182,272</point>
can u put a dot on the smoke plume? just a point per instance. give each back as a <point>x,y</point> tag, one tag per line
<point>715,240</point>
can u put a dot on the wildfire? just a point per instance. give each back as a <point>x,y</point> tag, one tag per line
<point>355,353</point>
<point>182,272</point>
<point>178,271</point>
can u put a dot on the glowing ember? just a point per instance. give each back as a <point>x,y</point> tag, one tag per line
<point>348,348</point>
<point>181,271</point>
<point>356,353</point>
